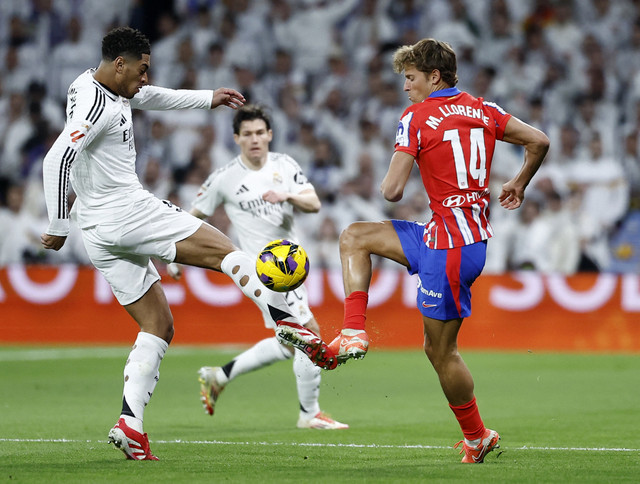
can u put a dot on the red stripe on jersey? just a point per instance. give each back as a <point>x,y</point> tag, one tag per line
<point>454,257</point>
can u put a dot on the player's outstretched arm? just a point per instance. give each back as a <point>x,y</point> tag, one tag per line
<point>536,145</point>
<point>227,97</point>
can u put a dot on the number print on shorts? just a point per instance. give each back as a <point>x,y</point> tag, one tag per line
<point>477,163</point>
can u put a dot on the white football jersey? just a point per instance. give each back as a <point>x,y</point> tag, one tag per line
<point>240,190</point>
<point>96,151</point>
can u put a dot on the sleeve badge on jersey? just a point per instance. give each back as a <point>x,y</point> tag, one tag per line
<point>402,135</point>
<point>78,134</point>
<point>299,178</point>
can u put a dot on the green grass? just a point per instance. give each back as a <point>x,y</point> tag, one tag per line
<point>563,418</point>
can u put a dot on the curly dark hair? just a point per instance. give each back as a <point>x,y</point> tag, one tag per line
<point>250,112</point>
<point>126,42</point>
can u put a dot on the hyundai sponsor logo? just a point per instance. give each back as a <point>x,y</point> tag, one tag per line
<point>454,201</point>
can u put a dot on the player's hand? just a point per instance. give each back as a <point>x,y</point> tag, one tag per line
<point>274,197</point>
<point>53,242</point>
<point>175,270</point>
<point>511,196</point>
<point>227,97</point>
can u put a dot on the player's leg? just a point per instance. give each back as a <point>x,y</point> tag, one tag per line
<point>448,274</point>
<point>210,248</point>
<point>308,379</point>
<point>214,379</point>
<point>358,242</point>
<point>134,281</point>
<point>141,371</point>
<point>440,345</point>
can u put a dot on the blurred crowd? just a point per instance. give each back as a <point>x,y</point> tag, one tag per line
<point>323,68</point>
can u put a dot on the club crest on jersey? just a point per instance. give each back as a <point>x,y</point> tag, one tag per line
<point>277,178</point>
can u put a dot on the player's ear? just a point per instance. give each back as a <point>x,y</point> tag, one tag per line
<point>119,64</point>
<point>435,76</point>
<point>236,138</point>
<point>270,133</point>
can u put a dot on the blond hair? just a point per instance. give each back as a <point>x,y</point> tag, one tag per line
<point>427,55</point>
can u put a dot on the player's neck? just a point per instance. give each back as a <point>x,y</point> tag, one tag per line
<point>251,164</point>
<point>104,76</point>
<point>439,87</point>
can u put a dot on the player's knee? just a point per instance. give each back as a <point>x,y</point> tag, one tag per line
<point>439,356</point>
<point>349,239</point>
<point>162,327</point>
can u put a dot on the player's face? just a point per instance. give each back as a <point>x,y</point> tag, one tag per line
<point>253,139</point>
<point>416,84</point>
<point>132,75</point>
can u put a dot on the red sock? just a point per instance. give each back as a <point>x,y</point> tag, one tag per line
<point>355,307</point>
<point>469,419</point>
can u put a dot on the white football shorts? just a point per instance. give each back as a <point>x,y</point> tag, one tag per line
<point>122,250</point>
<point>298,303</point>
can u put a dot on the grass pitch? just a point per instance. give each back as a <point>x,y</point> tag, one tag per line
<point>562,418</point>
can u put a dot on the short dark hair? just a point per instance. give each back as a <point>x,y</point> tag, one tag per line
<point>126,42</point>
<point>250,112</point>
<point>427,55</point>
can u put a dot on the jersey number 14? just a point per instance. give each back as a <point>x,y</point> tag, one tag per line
<point>478,156</point>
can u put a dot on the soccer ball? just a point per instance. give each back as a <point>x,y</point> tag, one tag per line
<point>282,265</point>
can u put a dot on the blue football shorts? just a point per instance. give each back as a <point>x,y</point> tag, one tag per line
<point>445,276</point>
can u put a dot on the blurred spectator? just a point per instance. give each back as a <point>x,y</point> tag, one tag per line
<point>631,166</point>
<point>213,71</point>
<point>324,249</point>
<point>312,29</point>
<point>20,234</point>
<point>563,34</point>
<point>601,192</point>
<point>15,129</point>
<point>69,59</point>
<point>325,172</point>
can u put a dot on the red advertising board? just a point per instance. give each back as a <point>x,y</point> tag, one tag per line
<point>516,311</point>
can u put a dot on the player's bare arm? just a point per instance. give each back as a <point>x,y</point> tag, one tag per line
<point>395,180</point>
<point>536,145</point>
<point>306,201</point>
<point>227,97</point>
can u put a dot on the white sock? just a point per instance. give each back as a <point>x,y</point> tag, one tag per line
<point>261,354</point>
<point>308,382</point>
<point>140,377</point>
<point>240,267</point>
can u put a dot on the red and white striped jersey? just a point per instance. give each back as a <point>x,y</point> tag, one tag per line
<point>452,136</point>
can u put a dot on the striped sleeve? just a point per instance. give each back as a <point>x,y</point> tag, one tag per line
<point>86,118</point>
